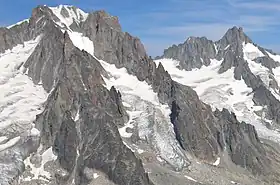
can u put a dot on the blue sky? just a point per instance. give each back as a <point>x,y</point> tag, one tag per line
<point>161,23</point>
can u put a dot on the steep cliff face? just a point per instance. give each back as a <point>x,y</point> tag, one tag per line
<point>106,98</point>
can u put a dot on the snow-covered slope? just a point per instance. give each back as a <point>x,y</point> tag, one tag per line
<point>20,99</point>
<point>223,90</point>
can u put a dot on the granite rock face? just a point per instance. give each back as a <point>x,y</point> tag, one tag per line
<point>251,154</point>
<point>264,97</point>
<point>267,62</point>
<point>194,124</point>
<point>199,130</point>
<point>194,53</point>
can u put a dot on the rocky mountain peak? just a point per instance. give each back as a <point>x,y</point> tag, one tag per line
<point>196,52</point>
<point>233,34</point>
<point>234,37</point>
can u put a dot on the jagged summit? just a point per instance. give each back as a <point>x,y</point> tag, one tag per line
<point>233,35</point>
<point>196,52</point>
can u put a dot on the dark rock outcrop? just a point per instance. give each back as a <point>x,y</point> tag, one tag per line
<point>264,97</point>
<point>194,53</point>
<point>250,154</point>
<point>267,62</point>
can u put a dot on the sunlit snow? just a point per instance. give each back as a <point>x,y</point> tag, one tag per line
<point>20,98</point>
<point>81,42</point>
<point>74,14</point>
<point>274,57</point>
<point>251,52</point>
<point>18,23</point>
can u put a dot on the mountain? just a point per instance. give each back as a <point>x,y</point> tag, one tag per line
<point>82,103</point>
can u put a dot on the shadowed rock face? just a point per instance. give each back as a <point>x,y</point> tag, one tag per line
<point>267,62</point>
<point>194,123</point>
<point>207,135</point>
<point>250,154</point>
<point>264,97</point>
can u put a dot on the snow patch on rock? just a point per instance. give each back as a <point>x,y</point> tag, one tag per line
<point>129,124</point>
<point>95,175</point>
<point>74,14</point>
<point>251,52</point>
<point>40,173</point>
<point>81,42</point>
<point>217,162</point>
<point>34,132</point>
